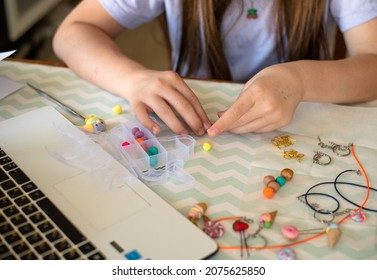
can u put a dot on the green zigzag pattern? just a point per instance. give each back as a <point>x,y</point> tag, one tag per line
<point>242,190</point>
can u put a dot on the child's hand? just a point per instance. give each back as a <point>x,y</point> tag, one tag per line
<point>166,94</point>
<point>267,102</point>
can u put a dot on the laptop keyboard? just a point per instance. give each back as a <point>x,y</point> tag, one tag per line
<point>31,226</point>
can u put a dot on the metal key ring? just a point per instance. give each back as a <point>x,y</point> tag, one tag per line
<point>339,149</point>
<point>318,156</point>
<point>323,221</point>
<point>260,237</point>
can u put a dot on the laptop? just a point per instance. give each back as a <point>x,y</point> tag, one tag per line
<point>53,210</point>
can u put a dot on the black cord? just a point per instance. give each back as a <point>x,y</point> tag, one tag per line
<point>334,183</point>
<point>353,184</point>
<point>320,194</point>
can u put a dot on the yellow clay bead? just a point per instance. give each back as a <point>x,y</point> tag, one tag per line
<point>207,146</point>
<point>117,109</point>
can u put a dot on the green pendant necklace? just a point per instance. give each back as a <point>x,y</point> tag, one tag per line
<point>252,12</point>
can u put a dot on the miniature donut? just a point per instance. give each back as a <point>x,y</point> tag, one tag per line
<point>357,216</point>
<point>290,232</point>
<point>286,253</point>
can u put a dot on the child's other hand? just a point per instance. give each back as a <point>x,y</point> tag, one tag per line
<point>166,94</point>
<point>267,102</point>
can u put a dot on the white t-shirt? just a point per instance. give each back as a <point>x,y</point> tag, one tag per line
<point>249,44</point>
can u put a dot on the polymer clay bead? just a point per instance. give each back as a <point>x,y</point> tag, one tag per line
<point>357,216</point>
<point>213,229</point>
<point>117,109</point>
<point>280,180</point>
<point>286,253</point>
<point>290,232</point>
<point>207,146</point>
<point>197,211</point>
<point>333,234</point>
<point>139,134</point>
<point>125,143</point>
<point>268,192</point>
<point>267,219</point>
<point>134,130</point>
<point>153,150</point>
<point>153,158</point>
<point>272,184</point>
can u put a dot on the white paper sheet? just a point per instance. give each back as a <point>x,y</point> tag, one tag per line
<point>4,55</point>
<point>8,86</point>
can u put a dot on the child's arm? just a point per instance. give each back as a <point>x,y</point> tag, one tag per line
<point>85,42</point>
<point>268,100</point>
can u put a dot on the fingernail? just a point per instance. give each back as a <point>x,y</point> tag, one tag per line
<point>184,132</point>
<point>212,132</point>
<point>207,125</point>
<point>200,131</point>
<point>155,130</point>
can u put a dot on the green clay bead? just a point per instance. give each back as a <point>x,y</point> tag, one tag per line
<point>153,150</point>
<point>281,180</point>
<point>267,224</point>
<point>153,160</point>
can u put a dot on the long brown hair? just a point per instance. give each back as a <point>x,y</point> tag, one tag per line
<point>301,22</point>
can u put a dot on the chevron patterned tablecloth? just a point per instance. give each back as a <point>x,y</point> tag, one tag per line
<point>229,177</point>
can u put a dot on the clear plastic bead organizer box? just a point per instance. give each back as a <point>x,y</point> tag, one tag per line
<point>152,159</point>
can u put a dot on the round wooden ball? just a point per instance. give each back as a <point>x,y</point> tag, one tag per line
<point>287,173</point>
<point>274,185</point>
<point>268,179</point>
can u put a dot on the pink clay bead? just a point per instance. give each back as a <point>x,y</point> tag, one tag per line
<point>290,232</point>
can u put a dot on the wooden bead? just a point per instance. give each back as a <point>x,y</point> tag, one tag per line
<point>268,179</point>
<point>287,173</point>
<point>274,185</point>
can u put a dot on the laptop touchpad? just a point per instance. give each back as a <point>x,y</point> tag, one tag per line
<point>101,207</point>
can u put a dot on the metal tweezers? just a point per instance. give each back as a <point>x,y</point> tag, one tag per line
<point>53,99</point>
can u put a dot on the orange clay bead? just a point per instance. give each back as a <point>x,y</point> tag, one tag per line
<point>139,140</point>
<point>268,179</point>
<point>268,192</point>
<point>287,173</point>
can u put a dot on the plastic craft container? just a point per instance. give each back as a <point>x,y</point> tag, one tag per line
<point>151,158</point>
